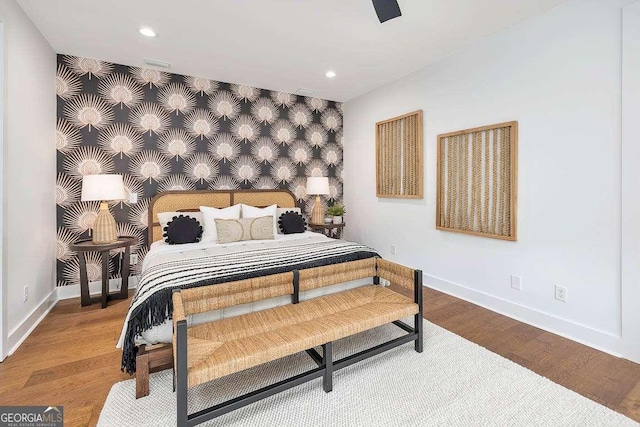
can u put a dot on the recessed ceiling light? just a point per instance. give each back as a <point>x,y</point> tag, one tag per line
<point>147,32</point>
<point>330,74</point>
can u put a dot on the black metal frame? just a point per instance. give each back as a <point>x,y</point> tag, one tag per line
<point>326,365</point>
<point>295,296</point>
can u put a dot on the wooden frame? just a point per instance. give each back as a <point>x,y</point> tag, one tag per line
<point>387,159</point>
<point>189,201</point>
<point>151,359</point>
<point>483,202</point>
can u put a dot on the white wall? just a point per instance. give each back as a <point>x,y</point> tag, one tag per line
<point>3,293</point>
<point>29,216</point>
<point>631,181</point>
<point>559,76</point>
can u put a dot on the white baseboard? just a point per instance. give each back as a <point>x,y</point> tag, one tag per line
<point>583,334</point>
<point>22,331</point>
<point>73,291</point>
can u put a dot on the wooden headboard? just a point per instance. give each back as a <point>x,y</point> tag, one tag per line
<point>190,201</point>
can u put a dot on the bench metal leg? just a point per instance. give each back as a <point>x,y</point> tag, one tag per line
<point>327,356</point>
<point>419,339</point>
<point>181,375</point>
<point>417,288</point>
<point>295,296</point>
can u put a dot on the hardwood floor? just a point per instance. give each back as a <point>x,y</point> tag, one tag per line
<point>71,359</point>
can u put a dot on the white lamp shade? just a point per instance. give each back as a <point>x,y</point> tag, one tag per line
<point>102,187</point>
<point>317,185</point>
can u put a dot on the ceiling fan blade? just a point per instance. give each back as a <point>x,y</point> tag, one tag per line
<point>386,9</point>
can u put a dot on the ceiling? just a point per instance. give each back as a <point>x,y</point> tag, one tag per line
<point>277,44</point>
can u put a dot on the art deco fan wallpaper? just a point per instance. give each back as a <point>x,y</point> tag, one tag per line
<point>165,131</point>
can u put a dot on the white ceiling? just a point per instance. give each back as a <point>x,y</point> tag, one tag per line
<point>277,44</point>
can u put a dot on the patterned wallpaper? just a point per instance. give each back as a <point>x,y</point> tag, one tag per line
<point>165,131</point>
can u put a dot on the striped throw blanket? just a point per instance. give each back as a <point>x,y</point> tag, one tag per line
<point>152,302</point>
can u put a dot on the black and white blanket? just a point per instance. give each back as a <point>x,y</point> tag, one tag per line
<point>191,266</point>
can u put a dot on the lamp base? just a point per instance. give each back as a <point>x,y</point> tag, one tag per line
<point>317,213</point>
<point>104,228</point>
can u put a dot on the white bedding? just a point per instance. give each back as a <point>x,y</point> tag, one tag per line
<point>191,249</point>
<point>162,252</point>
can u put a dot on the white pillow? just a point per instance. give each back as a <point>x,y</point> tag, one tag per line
<point>165,217</point>
<point>210,233</point>
<point>253,212</point>
<point>280,211</point>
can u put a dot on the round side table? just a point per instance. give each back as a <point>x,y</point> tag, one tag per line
<point>83,246</point>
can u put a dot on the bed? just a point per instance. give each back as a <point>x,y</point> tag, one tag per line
<point>169,267</point>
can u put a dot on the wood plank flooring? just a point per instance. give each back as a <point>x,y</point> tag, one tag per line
<point>71,359</point>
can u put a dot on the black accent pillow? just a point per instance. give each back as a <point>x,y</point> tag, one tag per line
<point>292,222</point>
<point>182,229</point>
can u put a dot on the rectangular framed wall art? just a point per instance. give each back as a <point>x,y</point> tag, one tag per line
<point>477,181</point>
<point>399,169</point>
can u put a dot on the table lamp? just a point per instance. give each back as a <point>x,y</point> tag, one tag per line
<point>103,188</point>
<point>317,185</point>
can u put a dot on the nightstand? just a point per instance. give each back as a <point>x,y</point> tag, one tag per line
<point>84,246</point>
<point>330,230</point>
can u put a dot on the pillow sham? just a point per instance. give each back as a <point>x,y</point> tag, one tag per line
<point>253,212</point>
<point>210,214</point>
<point>182,229</point>
<point>165,217</point>
<point>292,222</point>
<point>235,230</point>
<point>280,211</point>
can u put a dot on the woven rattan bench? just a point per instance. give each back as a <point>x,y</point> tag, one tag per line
<point>215,349</point>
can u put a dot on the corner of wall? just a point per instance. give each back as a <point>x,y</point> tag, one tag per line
<point>28,200</point>
<point>17,336</point>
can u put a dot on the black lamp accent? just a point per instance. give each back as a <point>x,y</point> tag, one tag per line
<point>386,9</point>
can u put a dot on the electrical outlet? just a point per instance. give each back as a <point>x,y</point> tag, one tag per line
<point>393,249</point>
<point>26,293</point>
<point>516,282</point>
<point>134,259</point>
<point>562,293</point>
<point>133,197</point>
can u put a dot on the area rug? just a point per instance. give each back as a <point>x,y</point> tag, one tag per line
<point>453,383</point>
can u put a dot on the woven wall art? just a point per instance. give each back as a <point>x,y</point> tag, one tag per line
<point>477,181</point>
<point>399,157</point>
